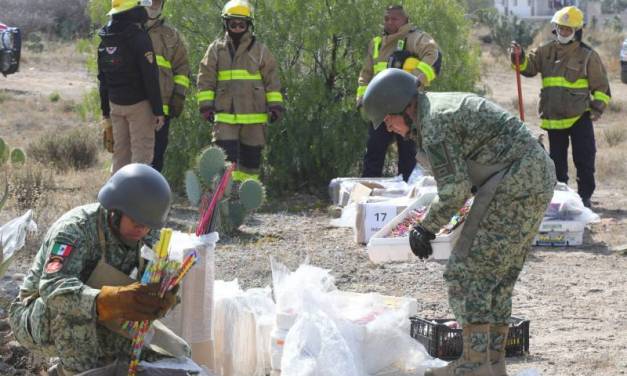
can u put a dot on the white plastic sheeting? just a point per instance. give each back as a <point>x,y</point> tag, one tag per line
<point>331,337</point>
<point>13,237</point>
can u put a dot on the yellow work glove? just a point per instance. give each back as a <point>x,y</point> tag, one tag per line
<point>135,302</point>
<point>107,134</point>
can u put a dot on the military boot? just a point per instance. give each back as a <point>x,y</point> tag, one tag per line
<point>498,341</point>
<point>474,359</point>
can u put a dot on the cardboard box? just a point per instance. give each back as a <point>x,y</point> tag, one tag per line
<point>383,249</point>
<point>555,233</point>
<point>340,188</point>
<point>372,216</point>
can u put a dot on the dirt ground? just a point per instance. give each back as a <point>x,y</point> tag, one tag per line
<point>575,297</point>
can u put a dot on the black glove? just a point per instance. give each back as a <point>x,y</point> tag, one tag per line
<point>419,241</point>
<point>276,113</point>
<point>512,55</point>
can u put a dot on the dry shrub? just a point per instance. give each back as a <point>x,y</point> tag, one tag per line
<point>76,149</point>
<point>615,106</point>
<point>29,185</point>
<point>62,18</point>
<point>615,135</point>
<point>611,165</point>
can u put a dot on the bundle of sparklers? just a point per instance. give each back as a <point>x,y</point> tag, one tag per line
<point>168,274</point>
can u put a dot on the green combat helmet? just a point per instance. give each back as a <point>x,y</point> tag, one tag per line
<point>140,192</point>
<point>389,93</point>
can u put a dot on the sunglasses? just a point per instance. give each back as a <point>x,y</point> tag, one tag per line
<point>235,24</point>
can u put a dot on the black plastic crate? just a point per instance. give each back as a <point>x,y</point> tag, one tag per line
<point>446,343</point>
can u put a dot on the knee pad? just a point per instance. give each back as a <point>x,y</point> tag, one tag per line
<point>231,149</point>
<point>250,156</point>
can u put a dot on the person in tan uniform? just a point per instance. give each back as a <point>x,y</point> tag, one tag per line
<point>575,92</point>
<point>130,97</point>
<point>402,46</point>
<point>239,90</point>
<point>171,57</point>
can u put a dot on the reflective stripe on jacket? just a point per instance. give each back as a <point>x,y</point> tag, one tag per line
<point>171,56</point>
<point>574,81</point>
<point>239,84</point>
<point>418,43</point>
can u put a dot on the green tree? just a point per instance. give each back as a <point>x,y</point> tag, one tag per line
<point>505,29</point>
<point>320,46</point>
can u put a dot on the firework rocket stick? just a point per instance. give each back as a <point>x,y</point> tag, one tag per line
<point>153,275</point>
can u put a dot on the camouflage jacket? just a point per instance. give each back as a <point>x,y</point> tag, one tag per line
<point>455,128</point>
<point>66,259</point>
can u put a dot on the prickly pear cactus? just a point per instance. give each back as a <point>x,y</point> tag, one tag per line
<point>17,156</point>
<point>251,194</point>
<point>238,200</point>
<point>4,152</point>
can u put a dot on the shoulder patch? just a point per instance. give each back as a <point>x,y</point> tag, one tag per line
<point>62,250</point>
<point>441,163</point>
<point>54,264</point>
<point>150,57</point>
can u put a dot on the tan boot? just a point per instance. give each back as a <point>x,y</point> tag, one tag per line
<point>474,360</point>
<point>498,341</point>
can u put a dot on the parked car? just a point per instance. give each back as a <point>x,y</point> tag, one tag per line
<point>10,47</point>
<point>623,62</point>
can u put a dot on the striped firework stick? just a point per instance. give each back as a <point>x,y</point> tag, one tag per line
<point>153,274</point>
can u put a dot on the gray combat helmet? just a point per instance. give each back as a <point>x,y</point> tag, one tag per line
<point>389,93</point>
<point>140,192</point>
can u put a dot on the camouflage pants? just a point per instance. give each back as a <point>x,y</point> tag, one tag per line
<point>81,344</point>
<point>481,283</point>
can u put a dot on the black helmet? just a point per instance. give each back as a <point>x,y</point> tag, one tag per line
<point>140,192</point>
<point>389,93</point>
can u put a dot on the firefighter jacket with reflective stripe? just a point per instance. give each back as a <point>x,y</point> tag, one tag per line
<point>418,43</point>
<point>574,81</point>
<point>127,68</point>
<point>240,84</point>
<point>171,56</point>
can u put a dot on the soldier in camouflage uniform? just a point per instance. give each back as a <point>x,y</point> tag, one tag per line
<point>57,312</point>
<point>472,145</point>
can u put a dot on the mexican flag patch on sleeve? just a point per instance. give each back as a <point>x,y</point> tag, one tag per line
<point>62,250</point>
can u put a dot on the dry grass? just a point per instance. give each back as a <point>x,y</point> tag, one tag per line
<point>75,149</point>
<point>29,185</point>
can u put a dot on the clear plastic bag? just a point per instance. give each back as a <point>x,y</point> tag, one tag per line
<point>191,319</point>
<point>567,205</point>
<point>242,324</point>
<point>13,238</point>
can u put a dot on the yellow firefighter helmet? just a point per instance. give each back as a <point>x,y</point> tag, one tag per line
<point>569,17</point>
<point>119,6</point>
<point>238,9</point>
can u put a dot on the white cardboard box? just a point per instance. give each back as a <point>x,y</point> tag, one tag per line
<point>372,216</point>
<point>557,233</point>
<point>383,249</point>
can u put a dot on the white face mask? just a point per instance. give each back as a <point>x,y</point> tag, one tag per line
<point>565,40</point>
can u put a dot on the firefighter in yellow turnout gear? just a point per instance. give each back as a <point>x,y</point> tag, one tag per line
<point>575,92</point>
<point>405,47</point>
<point>171,56</point>
<point>239,90</point>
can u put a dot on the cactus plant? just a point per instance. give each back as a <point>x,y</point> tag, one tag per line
<point>18,156</point>
<point>237,201</point>
<point>211,162</point>
<point>192,187</point>
<point>251,194</point>
<point>4,152</point>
